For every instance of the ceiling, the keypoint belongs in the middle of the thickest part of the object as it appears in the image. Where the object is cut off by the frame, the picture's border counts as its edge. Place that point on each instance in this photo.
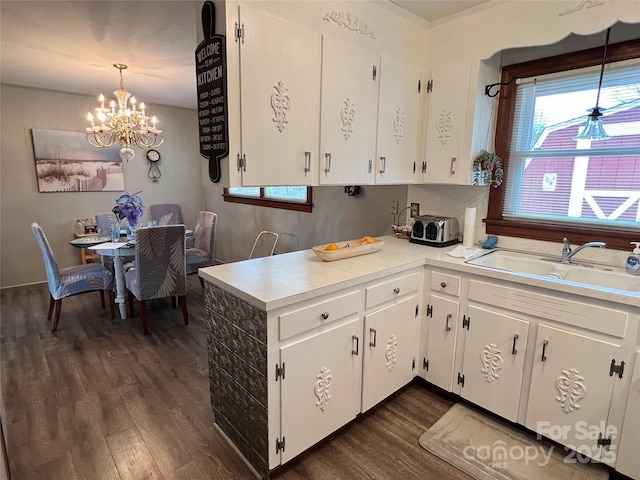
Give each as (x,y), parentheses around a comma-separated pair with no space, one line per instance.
(70,46)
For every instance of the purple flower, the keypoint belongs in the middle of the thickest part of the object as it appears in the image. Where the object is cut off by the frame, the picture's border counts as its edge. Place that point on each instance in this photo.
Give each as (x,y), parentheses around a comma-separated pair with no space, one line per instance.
(129,207)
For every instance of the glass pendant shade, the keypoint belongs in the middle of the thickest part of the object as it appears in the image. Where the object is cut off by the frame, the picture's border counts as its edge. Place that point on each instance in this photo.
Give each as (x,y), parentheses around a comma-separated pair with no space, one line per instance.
(127,153)
(594,129)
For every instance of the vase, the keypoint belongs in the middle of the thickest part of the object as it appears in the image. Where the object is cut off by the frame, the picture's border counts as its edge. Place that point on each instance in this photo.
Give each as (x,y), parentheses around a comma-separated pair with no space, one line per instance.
(131,233)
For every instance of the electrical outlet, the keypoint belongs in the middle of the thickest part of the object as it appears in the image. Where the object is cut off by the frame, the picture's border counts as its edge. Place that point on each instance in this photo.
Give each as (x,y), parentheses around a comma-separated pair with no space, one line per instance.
(394,207)
(415,210)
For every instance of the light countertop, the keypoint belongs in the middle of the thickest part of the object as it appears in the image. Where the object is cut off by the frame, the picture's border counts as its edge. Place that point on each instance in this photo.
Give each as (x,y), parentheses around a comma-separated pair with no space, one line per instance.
(273,282)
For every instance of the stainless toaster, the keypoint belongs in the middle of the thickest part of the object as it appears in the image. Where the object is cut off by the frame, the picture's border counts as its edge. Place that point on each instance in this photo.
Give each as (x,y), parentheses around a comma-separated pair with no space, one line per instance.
(435,231)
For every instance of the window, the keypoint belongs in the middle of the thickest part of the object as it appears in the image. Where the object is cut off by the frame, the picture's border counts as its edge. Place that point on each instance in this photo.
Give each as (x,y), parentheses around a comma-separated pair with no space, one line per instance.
(297,198)
(557,186)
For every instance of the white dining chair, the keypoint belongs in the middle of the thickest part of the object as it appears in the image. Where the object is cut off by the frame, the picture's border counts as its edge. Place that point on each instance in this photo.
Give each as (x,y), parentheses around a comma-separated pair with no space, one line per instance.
(262,242)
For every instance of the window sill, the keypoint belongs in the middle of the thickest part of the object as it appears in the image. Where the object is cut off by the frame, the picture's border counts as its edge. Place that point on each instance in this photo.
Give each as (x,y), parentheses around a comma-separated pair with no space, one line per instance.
(615,239)
(263,202)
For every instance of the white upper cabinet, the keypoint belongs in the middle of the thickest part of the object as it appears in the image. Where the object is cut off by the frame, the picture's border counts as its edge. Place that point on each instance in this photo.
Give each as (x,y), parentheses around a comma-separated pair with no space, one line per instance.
(399,104)
(348,113)
(448,93)
(279,101)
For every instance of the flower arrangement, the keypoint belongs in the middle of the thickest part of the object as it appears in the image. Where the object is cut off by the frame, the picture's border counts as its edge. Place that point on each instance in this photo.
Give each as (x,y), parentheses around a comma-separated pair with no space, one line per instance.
(487,169)
(129,207)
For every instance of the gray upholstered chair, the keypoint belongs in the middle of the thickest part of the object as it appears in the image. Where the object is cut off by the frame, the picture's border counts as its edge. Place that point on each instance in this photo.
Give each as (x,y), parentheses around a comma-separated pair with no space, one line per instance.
(68,281)
(203,253)
(160,269)
(166,213)
(105,221)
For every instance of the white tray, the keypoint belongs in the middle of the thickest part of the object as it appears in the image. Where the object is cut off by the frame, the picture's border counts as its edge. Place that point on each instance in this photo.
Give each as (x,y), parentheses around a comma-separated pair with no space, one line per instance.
(347,249)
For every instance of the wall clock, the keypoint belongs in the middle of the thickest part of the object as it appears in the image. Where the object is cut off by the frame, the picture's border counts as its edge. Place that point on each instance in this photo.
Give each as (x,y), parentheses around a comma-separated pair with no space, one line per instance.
(153,157)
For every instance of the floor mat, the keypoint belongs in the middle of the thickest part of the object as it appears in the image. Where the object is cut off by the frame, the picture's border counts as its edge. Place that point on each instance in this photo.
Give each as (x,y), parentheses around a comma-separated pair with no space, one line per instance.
(489,449)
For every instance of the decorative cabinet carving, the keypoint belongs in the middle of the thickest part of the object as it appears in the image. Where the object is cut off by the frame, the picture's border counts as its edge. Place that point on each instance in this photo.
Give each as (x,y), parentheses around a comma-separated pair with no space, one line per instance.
(571,390)
(348,112)
(399,103)
(493,365)
(280,102)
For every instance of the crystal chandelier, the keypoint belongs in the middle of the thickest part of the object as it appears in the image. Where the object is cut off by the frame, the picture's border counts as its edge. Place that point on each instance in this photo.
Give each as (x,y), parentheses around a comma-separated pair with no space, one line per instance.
(127,124)
(594,129)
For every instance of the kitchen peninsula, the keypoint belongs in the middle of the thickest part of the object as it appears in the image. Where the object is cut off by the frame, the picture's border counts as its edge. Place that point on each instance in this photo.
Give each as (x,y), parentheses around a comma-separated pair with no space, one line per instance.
(299,347)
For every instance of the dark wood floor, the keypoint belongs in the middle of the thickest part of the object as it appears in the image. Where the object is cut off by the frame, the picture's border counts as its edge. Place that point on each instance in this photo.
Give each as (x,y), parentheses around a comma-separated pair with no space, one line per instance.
(98,400)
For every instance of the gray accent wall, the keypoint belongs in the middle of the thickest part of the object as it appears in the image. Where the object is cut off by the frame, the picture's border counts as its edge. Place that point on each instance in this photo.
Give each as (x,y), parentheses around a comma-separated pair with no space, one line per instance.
(23,109)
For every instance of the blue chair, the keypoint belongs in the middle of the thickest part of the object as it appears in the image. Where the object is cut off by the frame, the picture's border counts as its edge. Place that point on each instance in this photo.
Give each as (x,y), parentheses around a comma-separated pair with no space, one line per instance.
(203,253)
(65,282)
(160,269)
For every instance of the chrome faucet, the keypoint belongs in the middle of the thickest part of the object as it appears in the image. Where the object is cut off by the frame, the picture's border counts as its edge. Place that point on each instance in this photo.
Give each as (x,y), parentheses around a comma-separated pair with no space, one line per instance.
(567,253)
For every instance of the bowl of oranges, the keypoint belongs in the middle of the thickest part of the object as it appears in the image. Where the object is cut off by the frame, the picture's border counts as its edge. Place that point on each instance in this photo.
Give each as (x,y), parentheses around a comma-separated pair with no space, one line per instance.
(352,248)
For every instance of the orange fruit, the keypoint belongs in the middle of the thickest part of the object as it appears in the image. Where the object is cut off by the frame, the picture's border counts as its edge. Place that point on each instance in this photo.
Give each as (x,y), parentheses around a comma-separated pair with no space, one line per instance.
(368,239)
(331,246)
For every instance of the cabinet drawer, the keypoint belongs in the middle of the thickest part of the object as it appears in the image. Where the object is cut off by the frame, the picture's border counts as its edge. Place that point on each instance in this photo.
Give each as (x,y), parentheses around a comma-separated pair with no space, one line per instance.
(442,282)
(318,314)
(385,291)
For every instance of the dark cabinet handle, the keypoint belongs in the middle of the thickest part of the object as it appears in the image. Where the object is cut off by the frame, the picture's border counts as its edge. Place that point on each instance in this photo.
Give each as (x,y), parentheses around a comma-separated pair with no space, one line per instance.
(443,285)
(447,328)
(396,290)
(513,348)
(544,349)
(372,343)
(324,315)
(357,349)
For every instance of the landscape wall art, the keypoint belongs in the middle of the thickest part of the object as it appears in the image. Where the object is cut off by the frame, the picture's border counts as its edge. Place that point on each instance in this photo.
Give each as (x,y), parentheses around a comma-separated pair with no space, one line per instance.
(66,162)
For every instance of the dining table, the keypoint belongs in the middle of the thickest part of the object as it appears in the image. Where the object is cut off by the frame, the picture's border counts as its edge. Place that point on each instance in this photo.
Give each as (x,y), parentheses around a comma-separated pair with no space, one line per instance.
(120,251)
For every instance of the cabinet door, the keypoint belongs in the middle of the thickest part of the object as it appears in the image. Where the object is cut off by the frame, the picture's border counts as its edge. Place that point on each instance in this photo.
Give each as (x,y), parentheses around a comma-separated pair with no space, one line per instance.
(390,344)
(628,461)
(320,391)
(446,124)
(280,101)
(493,362)
(348,113)
(570,387)
(441,342)
(398,122)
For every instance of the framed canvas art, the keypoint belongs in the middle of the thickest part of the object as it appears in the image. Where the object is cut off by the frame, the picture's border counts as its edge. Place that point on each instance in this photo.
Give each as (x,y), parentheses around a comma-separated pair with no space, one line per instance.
(66,162)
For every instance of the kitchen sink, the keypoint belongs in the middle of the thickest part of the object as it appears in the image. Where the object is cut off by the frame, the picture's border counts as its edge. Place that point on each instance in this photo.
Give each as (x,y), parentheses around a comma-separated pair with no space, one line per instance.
(592,275)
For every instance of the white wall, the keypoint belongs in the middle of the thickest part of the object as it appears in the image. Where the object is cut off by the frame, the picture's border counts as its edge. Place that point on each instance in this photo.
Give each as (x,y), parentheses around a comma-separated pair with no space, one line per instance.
(21,204)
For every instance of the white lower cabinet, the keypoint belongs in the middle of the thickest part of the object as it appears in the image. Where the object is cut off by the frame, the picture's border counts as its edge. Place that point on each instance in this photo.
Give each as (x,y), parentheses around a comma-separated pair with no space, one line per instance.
(320,391)
(442,331)
(494,352)
(389,349)
(338,356)
(571,387)
(628,459)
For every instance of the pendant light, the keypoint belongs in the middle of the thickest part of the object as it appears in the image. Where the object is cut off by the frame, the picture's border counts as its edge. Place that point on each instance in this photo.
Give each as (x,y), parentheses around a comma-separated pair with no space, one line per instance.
(594,129)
